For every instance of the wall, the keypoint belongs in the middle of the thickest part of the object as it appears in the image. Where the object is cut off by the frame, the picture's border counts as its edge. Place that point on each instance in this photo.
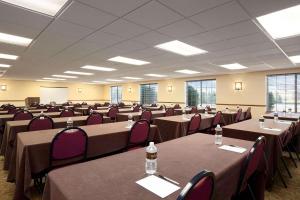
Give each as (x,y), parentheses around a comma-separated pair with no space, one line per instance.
(17,91)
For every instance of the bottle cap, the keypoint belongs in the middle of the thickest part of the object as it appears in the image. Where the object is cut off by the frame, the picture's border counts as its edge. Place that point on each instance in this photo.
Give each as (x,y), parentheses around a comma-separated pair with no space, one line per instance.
(151,144)
(218,126)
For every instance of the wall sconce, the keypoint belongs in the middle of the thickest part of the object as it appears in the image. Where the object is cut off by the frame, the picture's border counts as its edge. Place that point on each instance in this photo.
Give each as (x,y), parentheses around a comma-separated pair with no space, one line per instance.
(79,90)
(170,88)
(238,86)
(3,87)
(129,89)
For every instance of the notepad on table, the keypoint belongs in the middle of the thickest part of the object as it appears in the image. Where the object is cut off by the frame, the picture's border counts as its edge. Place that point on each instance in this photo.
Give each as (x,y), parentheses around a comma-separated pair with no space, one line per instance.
(272,129)
(233,148)
(158,186)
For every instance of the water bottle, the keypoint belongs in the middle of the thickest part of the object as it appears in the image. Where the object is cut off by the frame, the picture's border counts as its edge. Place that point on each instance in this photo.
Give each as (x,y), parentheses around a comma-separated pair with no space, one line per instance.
(129,120)
(42,115)
(289,111)
(91,111)
(69,123)
(151,159)
(261,122)
(218,135)
(275,117)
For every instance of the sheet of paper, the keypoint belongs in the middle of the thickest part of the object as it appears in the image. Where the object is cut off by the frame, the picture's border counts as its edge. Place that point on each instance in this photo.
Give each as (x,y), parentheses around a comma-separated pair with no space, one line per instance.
(233,148)
(272,129)
(158,186)
(285,122)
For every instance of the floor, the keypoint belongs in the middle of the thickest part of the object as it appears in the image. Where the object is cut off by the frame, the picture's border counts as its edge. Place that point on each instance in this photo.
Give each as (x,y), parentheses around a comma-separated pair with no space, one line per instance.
(278,192)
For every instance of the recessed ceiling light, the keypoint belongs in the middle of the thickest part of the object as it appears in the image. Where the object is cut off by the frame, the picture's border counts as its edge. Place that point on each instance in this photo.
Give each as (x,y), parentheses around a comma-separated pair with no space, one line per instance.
(114,80)
(13,39)
(5,65)
(78,73)
(283,23)
(48,7)
(132,78)
(8,56)
(105,69)
(64,76)
(128,60)
(181,48)
(295,59)
(156,75)
(233,66)
(41,80)
(55,79)
(103,82)
(187,71)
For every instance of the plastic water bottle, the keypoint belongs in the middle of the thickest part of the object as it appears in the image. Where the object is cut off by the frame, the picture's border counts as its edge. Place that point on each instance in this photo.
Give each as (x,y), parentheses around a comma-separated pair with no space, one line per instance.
(69,123)
(218,135)
(91,111)
(261,122)
(275,117)
(42,115)
(151,159)
(129,120)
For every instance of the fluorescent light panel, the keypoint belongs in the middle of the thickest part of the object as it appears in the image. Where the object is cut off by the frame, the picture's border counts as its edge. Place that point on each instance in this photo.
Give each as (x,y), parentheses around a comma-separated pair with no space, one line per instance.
(187,71)
(79,73)
(5,65)
(283,23)
(156,75)
(181,48)
(41,80)
(132,78)
(105,69)
(100,82)
(48,7)
(64,76)
(130,61)
(8,56)
(55,79)
(15,40)
(114,80)
(234,66)
(295,59)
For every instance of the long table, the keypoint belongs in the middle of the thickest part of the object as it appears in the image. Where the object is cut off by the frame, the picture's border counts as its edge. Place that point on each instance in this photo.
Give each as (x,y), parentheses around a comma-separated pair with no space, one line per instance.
(114,177)
(32,154)
(250,130)
(173,127)
(283,116)
(136,115)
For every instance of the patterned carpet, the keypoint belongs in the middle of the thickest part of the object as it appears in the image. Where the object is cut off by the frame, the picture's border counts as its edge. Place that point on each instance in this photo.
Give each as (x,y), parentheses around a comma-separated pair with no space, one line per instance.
(278,192)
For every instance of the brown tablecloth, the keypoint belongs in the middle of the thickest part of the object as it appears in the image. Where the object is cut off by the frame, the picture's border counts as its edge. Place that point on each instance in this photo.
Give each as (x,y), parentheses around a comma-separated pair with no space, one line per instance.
(176,126)
(250,130)
(114,177)
(33,149)
(137,115)
(229,116)
(121,110)
(283,116)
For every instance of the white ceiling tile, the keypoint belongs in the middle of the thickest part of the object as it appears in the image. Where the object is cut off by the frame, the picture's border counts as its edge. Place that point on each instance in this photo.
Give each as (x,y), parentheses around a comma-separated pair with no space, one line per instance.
(152,38)
(103,39)
(86,16)
(129,46)
(144,53)
(153,15)
(17,29)
(289,41)
(220,16)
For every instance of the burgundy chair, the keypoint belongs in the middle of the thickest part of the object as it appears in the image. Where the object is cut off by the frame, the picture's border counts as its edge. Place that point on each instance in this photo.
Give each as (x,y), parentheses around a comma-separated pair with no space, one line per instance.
(208,108)
(177,106)
(106,104)
(248,114)
(66,113)
(22,115)
(77,105)
(194,110)
(139,134)
(287,139)
(169,112)
(153,105)
(147,115)
(40,123)
(136,108)
(13,111)
(53,109)
(194,124)
(254,158)
(94,118)
(121,104)
(41,107)
(217,120)
(112,113)
(84,103)
(238,115)
(201,187)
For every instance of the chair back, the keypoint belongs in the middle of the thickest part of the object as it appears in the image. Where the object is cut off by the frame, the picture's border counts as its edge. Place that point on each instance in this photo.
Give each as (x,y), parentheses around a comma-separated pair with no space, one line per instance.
(194,110)
(194,124)
(69,144)
(177,106)
(208,108)
(66,113)
(106,104)
(40,106)
(94,118)
(121,104)
(40,123)
(289,134)
(139,134)
(84,103)
(248,114)
(217,119)
(238,115)
(254,157)
(169,112)
(153,105)
(136,108)
(77,105)
(12,110)
(147,115)
(112,112)
(53,109)
(22,115)
(202,186)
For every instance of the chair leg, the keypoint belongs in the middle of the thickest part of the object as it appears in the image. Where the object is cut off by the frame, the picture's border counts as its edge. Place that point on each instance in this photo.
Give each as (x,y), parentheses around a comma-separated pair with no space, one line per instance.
(291,156)
(281,178)
(286,167)
(296,151)
(251,192)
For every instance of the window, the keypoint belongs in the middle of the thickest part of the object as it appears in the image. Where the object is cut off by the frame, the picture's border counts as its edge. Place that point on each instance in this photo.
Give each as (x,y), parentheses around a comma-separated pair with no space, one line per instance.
(149,93)
(116,94)
(281,92)
(201,92)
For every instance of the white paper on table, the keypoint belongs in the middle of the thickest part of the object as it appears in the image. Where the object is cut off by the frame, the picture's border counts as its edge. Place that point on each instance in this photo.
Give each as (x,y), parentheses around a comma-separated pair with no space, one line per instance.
(233,148)
(272,129)
(285,122)
(158,186)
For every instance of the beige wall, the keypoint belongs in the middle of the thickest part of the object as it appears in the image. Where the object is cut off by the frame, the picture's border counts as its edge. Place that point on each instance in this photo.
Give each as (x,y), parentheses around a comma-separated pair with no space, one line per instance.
(17,91)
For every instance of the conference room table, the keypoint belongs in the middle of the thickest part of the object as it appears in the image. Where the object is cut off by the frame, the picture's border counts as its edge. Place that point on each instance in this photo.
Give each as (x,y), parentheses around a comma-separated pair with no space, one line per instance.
(137,115)
(250,130)
(4,112)
(229,116)
(176,126)
(121,110)
(283,116)
(115,177)
(32,155)
(152,108)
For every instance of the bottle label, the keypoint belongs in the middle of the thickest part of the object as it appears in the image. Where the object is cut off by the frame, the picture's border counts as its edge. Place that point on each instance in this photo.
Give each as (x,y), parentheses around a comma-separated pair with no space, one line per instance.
(151,156)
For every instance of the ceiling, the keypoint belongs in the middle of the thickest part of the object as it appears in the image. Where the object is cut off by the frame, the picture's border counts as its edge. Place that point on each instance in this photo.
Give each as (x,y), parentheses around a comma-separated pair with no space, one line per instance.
(88,32)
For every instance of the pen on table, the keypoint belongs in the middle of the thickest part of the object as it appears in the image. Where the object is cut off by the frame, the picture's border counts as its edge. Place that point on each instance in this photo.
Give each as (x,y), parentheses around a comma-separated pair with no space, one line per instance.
(168,179)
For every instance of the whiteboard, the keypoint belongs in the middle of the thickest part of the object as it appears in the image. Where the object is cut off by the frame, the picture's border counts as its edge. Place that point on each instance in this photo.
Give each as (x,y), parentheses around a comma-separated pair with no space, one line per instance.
(57,94)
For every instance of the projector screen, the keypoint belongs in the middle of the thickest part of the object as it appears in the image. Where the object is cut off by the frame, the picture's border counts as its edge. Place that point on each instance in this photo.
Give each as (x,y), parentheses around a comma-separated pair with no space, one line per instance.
(57,94)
